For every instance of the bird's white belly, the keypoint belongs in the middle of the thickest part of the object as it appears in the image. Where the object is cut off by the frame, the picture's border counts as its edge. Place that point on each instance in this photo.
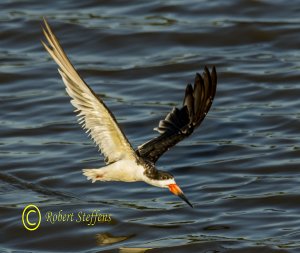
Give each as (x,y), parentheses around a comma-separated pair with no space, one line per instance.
(123,170)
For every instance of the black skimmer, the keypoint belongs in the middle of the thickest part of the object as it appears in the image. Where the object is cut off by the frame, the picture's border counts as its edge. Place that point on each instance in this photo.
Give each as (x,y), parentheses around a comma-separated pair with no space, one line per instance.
(123,163)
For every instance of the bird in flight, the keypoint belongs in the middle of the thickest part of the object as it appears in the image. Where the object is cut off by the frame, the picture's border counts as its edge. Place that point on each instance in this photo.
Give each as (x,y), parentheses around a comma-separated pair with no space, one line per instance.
(123,163)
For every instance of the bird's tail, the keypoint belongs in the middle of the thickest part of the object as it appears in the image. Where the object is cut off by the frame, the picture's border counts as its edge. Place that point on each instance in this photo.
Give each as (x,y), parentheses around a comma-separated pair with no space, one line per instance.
(93,174)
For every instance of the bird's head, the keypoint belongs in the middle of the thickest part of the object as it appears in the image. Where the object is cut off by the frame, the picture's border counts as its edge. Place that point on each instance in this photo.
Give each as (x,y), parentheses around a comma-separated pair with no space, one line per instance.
(166,180)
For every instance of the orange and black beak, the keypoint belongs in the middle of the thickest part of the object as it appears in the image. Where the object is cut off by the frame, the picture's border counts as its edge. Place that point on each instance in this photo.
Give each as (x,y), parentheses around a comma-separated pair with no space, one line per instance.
(174,188)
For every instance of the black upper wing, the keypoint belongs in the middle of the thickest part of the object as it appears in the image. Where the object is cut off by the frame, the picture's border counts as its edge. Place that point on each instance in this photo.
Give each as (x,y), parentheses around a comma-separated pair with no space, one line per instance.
(180,123)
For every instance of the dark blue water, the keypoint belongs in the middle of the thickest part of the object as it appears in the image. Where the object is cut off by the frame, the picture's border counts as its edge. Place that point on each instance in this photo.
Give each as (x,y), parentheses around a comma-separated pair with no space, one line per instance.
(240,168)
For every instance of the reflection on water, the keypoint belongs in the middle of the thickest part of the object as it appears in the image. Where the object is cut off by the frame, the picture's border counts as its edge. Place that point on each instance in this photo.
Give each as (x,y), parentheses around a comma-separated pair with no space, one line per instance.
(134,250)
(240,169)
(107,238)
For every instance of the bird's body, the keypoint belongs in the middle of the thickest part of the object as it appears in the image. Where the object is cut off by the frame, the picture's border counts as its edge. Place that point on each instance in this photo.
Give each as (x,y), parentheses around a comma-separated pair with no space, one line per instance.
(123,163)
(129,171)
(122,170)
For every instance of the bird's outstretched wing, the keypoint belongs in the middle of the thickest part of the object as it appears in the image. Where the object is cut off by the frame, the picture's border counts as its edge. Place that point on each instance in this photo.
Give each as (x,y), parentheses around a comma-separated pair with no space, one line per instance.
(93,115)
(180,123)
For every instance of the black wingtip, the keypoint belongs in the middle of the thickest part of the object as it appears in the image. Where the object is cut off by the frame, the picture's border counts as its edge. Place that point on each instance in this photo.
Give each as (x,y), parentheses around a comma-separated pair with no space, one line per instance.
(198,78)
(188,92)
(180,123)
(206,70)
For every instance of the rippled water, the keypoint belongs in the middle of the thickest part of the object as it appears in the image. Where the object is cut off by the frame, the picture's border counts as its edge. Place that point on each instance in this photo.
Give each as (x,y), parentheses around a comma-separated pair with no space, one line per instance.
(240,169)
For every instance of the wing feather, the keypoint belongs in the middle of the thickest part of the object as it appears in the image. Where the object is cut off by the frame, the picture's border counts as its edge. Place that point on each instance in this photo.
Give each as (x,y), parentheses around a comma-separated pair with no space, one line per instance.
(180,123)
(92,113)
